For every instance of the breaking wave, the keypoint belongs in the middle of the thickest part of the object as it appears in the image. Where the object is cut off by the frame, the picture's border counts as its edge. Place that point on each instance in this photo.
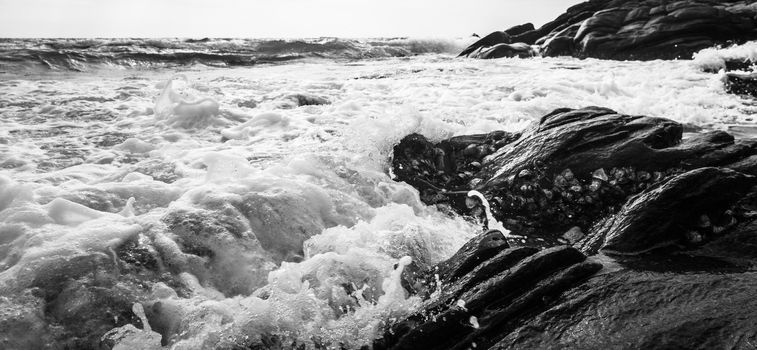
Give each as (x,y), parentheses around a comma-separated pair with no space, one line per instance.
(86,54)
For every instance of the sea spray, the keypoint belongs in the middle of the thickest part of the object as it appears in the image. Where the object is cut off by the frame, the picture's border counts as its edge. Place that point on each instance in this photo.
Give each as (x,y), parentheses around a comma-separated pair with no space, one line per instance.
(262,221)
(492,222)
(182,109)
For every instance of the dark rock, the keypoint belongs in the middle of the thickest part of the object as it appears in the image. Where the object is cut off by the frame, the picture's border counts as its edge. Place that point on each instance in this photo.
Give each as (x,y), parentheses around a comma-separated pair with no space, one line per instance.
(495,324)
(476,251)
(505,50)
(247,104)
(672,219)
(530,270)
(489,308)
(666,214)
(747,165)
(738,64)
(85,296)
(520,29)
(559,46)
(23,324)
(219,244)
(478,254)
(196,41)
(438,170)
(741,83)
(487,41)
(643,29)
(505,259)
(551,299)
(308,100)
(89,311)
(571,168)
(738,246)
(647,310)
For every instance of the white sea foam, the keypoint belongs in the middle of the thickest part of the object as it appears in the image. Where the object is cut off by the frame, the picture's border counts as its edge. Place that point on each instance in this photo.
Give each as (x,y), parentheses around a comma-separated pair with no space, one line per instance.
(275,219)
(714,59)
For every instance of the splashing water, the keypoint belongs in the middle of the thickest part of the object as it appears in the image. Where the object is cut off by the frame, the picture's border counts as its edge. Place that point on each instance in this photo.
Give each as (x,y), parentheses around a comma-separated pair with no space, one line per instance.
(493,223)
(232,215)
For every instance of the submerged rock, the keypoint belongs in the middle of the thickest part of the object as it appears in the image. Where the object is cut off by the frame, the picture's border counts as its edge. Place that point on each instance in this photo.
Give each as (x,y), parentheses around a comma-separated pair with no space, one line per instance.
(642,29)
(307,100)
(77,299)
(741,83)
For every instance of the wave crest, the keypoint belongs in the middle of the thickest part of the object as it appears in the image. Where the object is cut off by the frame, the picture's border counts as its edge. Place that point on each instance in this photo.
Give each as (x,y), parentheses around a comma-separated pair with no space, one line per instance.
(86,54)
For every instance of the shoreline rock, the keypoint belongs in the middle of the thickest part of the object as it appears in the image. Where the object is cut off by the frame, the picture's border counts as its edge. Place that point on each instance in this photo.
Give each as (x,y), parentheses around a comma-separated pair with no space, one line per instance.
(670,243)
(637,30)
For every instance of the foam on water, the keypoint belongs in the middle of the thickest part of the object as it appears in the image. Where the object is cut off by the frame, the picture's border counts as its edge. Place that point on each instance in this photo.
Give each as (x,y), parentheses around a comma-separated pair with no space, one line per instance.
(714,59)
(267,218)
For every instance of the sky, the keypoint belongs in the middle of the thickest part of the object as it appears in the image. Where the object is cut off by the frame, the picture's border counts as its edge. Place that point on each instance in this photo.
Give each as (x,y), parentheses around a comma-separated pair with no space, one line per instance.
(270,18)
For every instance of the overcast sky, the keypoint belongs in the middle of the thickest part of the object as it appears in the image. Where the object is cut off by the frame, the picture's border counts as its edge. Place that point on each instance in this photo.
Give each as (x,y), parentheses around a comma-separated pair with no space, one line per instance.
(270,18)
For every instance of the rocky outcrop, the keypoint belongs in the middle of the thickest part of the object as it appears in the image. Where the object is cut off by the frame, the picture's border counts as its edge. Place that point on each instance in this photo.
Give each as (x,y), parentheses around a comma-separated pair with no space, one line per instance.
(495,38)
(441,172)
(643,29)
(687,209)
(499,44)
(524,298)
(662,231)
(478,309)
(647,310)
(571,169)
(520,29)
(506,50)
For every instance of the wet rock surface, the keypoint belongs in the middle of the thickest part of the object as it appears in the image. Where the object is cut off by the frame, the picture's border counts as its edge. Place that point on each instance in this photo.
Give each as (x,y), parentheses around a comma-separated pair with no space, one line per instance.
(475,311)
(741,83)
(505,50)
(570,169)
(647,310)
(490,40)
(666,219)
(739,78)
(697,206)
(641,29)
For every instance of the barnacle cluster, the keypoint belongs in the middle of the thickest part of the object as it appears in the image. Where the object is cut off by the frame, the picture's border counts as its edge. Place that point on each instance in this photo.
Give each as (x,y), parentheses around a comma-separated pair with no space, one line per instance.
(713,224)
(450,165)
(552,204)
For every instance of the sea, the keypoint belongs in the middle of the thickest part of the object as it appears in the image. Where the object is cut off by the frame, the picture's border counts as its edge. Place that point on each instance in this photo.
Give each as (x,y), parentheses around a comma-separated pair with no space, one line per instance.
(238,192)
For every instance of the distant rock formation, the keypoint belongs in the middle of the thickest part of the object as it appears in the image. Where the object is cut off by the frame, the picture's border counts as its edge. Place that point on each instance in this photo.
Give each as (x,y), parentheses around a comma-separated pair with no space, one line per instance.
(520,29)
(490,40)
(638,29)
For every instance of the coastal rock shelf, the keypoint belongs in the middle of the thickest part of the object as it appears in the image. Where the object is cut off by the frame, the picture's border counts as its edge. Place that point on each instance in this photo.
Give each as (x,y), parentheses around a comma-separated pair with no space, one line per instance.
(570,169)
(637,30)
(665,216)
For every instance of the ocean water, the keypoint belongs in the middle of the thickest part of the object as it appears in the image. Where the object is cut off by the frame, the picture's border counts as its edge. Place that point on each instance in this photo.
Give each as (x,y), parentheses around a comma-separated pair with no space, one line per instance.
(253,175)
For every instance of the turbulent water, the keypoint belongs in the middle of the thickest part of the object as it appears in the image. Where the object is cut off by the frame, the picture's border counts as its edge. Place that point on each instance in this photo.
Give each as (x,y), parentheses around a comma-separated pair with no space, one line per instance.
(253,175)
(86,54)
